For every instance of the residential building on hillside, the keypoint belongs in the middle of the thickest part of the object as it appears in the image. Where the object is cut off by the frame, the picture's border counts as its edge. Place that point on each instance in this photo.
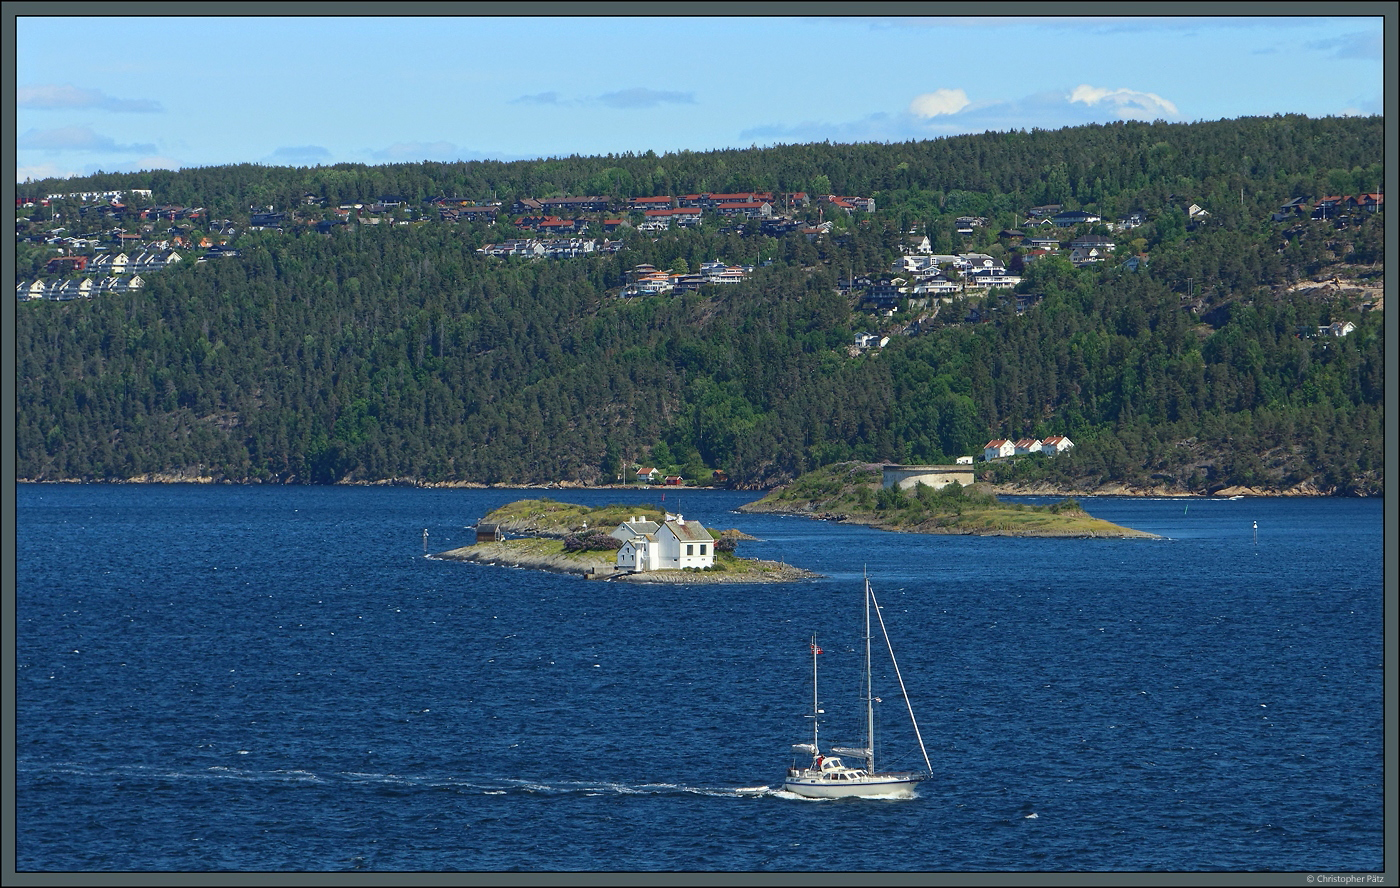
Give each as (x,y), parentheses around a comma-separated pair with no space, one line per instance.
(1071,218)
(998,448)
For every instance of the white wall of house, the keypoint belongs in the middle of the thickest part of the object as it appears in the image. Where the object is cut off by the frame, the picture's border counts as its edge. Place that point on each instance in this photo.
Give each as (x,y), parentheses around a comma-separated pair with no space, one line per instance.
(675,545)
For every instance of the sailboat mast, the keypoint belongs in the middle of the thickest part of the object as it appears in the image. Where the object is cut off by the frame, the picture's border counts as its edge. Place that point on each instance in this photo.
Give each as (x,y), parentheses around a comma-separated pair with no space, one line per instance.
(815,748)
(869,691)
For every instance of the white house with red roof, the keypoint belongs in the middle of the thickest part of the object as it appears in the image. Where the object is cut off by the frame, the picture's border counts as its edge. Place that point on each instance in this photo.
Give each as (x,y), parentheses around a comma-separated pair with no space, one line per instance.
(998,448)
(1056,444)
(1028,445)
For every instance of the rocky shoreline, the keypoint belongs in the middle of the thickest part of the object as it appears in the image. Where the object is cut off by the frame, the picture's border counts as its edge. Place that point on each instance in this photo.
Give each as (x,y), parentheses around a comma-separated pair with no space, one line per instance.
(1038,489)
(505,554)
(1117,489)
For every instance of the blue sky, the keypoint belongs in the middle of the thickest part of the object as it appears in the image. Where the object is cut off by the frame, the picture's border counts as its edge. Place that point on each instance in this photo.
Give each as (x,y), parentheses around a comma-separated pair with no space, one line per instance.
(132,93)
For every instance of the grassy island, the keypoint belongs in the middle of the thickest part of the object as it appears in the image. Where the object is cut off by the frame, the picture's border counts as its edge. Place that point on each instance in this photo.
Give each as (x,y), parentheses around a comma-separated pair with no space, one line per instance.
(853,492)
(568,538)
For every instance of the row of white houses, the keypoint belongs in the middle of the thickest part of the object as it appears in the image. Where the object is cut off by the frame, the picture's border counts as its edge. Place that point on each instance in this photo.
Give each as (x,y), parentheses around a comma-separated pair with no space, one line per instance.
(60,290)
(148,260)
(557,248)
(1000,448)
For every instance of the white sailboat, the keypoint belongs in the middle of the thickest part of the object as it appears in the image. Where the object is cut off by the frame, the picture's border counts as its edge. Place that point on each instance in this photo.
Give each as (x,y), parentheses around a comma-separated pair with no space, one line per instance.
(827,777)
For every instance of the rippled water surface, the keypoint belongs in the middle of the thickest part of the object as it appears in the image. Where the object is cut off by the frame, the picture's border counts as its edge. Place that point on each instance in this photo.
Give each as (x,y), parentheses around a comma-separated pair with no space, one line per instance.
(268,678)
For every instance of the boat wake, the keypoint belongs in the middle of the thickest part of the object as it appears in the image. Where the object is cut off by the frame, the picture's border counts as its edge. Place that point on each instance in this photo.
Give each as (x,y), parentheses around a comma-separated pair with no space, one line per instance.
(392,782)
(564,788)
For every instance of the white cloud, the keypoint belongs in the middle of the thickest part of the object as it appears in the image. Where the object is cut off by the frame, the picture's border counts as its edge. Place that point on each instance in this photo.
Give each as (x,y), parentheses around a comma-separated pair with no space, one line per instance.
(411,151)
(151,162)
(641,97)
(1125,102)
(940,101)
(299,155)
(36,171)
(544,98)
(54,96)
(1359,45)
(77,138)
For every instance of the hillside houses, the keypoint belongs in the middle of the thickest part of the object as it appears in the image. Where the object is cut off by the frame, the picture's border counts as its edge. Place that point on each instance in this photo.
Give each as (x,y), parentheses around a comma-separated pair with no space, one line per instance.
(153,258)
(1044,240)
(63,290)
(648,280)
(551,248)
(459,209)
(552,225)
(586,204)
(101,273)
(713,201)
(1334,206)
(1003,448)
(850,204)
(927,276)
(642,204)
(97,196)
(660,219)
(1071,218)
(1090,249)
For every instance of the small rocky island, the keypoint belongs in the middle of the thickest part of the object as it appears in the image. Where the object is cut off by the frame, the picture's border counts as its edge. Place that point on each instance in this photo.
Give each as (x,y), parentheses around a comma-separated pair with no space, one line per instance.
(618,542)
(854,492)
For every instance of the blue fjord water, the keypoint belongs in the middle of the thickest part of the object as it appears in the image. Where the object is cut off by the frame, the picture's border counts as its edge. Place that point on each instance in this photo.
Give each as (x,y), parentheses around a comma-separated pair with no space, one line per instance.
(272,678)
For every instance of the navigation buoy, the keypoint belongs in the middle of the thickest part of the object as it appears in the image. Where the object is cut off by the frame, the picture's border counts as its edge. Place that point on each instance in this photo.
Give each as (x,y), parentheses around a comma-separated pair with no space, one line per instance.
(425,539)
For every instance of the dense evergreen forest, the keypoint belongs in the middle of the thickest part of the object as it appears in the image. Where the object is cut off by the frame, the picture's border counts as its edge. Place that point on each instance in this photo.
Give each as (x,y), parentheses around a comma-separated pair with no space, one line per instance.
(396,351)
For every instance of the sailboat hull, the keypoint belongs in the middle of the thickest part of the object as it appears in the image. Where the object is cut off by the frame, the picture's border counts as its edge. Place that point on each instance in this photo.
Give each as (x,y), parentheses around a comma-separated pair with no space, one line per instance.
(893,785)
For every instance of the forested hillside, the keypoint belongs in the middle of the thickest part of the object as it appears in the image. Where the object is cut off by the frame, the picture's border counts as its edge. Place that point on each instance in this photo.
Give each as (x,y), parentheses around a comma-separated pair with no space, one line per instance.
(364,352)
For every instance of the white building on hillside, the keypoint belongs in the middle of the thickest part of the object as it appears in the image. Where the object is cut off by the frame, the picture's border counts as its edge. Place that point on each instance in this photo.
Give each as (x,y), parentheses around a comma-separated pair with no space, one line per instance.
(997,448)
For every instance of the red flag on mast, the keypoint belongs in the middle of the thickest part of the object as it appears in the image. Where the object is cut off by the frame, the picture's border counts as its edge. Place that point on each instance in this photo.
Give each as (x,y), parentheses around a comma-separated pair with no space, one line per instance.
(817,650)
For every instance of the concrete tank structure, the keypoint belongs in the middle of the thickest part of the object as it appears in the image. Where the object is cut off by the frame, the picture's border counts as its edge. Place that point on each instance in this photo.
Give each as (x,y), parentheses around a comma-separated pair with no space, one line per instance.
(905,477)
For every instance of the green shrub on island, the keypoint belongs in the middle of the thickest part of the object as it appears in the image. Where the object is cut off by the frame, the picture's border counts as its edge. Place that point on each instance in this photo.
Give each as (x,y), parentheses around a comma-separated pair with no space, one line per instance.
(591,541)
